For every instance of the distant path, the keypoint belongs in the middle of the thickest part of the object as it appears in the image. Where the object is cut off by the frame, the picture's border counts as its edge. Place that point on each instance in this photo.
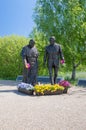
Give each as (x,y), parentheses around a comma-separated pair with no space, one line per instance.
(57,112)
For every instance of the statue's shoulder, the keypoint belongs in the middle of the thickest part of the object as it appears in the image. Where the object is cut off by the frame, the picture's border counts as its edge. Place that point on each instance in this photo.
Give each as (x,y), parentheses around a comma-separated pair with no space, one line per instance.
(48,46)
(34,48)
(24,47)
(57,44)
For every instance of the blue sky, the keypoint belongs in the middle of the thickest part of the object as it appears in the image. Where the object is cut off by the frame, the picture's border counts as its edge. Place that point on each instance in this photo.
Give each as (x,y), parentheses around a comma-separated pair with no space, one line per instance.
(16,17)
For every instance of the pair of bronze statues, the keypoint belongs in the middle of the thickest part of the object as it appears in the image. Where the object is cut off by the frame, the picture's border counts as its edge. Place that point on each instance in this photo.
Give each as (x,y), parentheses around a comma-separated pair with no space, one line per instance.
(53,54)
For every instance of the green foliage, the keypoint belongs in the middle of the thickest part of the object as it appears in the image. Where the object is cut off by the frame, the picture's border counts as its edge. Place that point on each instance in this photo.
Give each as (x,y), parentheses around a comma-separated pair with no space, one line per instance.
(10,59)
(67,21)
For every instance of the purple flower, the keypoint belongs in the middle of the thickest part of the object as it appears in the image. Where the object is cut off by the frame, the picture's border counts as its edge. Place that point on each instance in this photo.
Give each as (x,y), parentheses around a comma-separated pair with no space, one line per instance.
(64,83)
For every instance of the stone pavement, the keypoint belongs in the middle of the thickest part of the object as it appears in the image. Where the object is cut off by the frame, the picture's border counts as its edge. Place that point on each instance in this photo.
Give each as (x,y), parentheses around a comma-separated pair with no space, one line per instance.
(57,112)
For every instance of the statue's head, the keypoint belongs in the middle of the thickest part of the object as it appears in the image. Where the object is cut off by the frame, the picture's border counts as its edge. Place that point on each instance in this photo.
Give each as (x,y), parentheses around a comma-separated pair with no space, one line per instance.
(52,40)
(31,43)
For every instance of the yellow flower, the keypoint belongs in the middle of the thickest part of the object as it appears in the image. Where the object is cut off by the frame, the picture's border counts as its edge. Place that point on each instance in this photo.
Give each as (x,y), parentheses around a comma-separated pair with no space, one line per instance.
(42,88)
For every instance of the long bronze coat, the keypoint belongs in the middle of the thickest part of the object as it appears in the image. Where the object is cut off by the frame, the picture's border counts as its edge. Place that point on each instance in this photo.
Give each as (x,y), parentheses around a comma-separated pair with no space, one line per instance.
(31,55)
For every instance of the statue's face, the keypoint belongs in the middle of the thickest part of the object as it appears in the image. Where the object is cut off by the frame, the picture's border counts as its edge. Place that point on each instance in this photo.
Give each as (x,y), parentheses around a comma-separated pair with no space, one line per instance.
(31,43)
(52,40)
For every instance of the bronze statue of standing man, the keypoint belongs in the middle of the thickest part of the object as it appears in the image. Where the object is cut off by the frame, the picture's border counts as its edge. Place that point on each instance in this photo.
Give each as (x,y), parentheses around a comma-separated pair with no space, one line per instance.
(53,54)
(29,55)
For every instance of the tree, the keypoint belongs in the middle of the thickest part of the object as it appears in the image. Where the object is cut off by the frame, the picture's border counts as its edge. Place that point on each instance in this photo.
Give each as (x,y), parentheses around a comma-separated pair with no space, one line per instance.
(67,21)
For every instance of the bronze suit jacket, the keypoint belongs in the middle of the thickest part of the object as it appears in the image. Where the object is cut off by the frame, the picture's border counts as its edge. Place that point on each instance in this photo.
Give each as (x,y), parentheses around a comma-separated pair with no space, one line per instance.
(53,53)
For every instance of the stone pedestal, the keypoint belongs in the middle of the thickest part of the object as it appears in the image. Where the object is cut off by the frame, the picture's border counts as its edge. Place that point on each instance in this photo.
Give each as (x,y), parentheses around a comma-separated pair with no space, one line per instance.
(82,82)
(41,79)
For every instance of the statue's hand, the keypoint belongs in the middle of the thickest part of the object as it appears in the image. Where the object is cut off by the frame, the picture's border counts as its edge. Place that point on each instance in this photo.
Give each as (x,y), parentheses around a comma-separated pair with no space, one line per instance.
(27,65)
(62,61)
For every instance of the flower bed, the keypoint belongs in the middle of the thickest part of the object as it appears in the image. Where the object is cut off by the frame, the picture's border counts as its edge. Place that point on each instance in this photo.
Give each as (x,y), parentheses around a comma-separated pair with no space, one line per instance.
(48,89)
(44,89)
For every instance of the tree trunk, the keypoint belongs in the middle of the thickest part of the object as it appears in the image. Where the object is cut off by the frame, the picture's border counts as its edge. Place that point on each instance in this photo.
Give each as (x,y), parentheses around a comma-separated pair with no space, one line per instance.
(73,77)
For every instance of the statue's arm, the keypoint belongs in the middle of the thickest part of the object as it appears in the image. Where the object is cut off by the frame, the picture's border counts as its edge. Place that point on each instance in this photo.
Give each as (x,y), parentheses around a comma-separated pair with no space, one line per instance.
(23,55)
(61,53)
(45,55)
